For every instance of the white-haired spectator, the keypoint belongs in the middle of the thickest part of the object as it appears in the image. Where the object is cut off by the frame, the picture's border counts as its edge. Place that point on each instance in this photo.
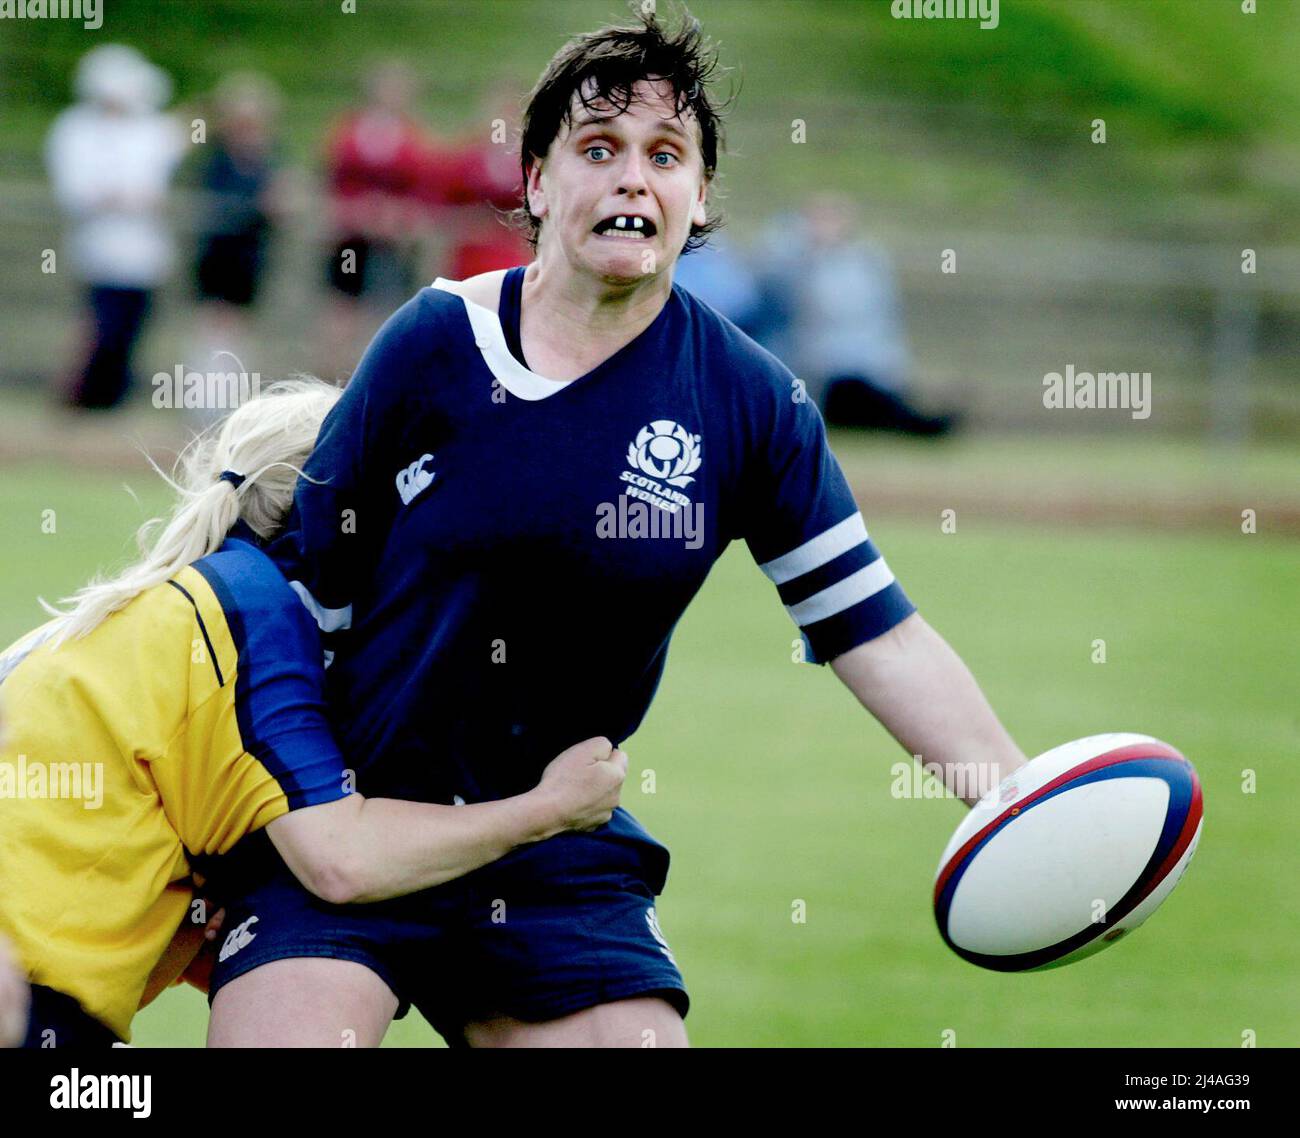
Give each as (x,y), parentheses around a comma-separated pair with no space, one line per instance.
(110,158)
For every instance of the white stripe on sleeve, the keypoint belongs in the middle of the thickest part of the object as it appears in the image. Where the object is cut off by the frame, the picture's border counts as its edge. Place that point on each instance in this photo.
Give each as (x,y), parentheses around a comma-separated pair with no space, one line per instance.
(817,551)
(856,587)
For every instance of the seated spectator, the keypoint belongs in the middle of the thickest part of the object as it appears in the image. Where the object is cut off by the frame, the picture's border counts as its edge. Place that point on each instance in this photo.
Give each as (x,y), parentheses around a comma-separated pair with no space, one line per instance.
(723,280)
(831,312)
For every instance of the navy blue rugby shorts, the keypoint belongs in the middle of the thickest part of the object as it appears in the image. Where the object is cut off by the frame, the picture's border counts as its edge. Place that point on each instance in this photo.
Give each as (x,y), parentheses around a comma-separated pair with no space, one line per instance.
(548,930)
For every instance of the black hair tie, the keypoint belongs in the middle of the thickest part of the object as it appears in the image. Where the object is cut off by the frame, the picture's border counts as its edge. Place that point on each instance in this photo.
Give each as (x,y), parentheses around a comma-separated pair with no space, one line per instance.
(235,480)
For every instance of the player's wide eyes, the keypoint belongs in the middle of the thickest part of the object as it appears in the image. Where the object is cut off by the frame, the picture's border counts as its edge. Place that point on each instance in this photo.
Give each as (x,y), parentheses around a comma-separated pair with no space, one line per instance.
(596,157)
(672,159)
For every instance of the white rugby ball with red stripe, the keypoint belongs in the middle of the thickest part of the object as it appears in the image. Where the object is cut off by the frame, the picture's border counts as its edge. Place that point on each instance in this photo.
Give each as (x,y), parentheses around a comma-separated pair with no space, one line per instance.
(1070,853)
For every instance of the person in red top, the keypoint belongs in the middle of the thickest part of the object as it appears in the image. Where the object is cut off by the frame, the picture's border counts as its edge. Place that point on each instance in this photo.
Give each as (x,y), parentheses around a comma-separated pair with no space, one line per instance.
(377,161)
(485,185)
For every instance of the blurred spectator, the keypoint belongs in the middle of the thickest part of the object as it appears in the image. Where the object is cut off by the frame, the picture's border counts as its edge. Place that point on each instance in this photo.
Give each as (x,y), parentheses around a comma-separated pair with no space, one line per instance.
(486,182)
(723,280)
(831,312)
(378,179)
(239,206)
(110,158)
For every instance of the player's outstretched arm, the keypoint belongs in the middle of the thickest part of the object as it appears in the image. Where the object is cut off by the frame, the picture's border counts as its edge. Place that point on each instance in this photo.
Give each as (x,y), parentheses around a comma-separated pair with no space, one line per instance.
(917,686)
(369,849)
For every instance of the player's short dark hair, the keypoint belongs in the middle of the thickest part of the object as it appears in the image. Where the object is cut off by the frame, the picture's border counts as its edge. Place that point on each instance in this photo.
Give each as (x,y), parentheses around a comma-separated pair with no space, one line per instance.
(616,58)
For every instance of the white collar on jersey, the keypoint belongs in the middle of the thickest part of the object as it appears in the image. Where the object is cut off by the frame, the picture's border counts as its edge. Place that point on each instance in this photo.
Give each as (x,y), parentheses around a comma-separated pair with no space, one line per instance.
(490,339)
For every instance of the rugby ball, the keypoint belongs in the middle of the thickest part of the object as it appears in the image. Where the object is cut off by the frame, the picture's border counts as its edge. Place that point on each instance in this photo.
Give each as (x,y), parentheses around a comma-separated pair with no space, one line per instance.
(1068,854)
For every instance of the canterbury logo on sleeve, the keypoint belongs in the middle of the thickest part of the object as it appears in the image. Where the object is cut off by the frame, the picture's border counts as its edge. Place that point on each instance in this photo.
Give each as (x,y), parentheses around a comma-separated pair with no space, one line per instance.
(414,478)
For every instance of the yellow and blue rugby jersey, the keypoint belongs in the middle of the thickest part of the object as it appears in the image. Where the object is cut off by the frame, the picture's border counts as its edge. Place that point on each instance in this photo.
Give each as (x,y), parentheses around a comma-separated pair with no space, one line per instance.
(192,717)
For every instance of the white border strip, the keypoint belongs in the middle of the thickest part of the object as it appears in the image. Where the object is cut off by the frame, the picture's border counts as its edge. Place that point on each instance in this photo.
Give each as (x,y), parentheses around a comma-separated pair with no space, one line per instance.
(518,380)
(327,620)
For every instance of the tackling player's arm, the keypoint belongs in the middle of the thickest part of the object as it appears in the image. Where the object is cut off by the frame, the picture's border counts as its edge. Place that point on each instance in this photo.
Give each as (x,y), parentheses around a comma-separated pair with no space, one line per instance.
(911,680)
(369,849)
(258,752)
(357,849)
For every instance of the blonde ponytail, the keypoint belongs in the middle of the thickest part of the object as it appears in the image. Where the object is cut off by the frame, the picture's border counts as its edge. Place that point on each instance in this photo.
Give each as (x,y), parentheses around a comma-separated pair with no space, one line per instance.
(267,440)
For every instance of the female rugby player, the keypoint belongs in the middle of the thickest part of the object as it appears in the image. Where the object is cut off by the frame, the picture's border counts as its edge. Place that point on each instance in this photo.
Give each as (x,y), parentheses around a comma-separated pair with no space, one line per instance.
(505,445)
(179,708)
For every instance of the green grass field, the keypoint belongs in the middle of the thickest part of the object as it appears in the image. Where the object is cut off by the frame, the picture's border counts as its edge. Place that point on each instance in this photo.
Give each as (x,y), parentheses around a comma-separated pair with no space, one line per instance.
(773,785)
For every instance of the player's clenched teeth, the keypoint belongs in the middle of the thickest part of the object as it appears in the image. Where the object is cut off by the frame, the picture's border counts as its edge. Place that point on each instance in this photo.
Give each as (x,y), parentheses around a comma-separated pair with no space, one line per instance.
(626,225)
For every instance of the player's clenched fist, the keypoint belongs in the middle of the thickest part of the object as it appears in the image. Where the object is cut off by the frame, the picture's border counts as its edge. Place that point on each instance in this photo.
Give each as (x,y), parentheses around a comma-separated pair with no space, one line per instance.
(584,783)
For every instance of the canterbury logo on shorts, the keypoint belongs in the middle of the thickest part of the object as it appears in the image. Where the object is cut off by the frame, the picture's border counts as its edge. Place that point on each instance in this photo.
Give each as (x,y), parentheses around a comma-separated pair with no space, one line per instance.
(652,922)
(238,938)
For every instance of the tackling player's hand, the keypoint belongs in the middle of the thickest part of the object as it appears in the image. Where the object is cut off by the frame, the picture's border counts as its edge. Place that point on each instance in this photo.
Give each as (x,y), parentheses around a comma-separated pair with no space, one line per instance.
(192,950)
(584,783)
(199,972)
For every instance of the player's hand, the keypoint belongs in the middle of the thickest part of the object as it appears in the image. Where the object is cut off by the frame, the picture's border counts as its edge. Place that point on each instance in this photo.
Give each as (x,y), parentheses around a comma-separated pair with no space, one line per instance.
(192,950)
(584,783)
(199,972)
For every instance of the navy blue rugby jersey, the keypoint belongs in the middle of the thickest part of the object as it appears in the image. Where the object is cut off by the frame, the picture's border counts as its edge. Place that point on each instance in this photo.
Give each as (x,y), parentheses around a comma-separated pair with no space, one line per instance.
(497,561)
